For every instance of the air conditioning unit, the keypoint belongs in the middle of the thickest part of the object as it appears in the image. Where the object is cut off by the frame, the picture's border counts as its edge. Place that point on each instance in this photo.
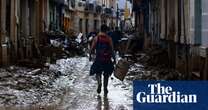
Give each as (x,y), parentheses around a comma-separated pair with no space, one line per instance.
(203,51)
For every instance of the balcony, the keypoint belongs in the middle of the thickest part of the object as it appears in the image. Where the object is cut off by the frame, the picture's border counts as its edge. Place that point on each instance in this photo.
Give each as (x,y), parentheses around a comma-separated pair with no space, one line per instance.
(89,7)
(80,6)
(98,9)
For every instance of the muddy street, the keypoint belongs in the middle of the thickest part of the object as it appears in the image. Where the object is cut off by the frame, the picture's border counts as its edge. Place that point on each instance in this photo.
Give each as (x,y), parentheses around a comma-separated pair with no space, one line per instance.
(66,85)
(70,88)
(48,48)
(82,93)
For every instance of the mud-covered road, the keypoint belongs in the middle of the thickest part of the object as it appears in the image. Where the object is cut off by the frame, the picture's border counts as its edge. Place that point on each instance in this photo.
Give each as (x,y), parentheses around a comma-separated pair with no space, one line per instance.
(76,91)
(82,93)
(67,85)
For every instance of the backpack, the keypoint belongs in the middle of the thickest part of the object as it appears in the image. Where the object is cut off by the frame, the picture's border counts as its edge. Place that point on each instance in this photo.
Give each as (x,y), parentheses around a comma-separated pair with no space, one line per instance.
(103,49)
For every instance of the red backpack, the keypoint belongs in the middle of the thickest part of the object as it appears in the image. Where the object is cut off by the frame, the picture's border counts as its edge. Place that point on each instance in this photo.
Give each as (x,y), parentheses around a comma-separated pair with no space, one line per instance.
(103,49)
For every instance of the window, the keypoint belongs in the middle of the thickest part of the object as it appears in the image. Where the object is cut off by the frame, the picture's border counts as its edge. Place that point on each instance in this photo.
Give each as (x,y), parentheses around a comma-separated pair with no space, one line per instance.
(73,3)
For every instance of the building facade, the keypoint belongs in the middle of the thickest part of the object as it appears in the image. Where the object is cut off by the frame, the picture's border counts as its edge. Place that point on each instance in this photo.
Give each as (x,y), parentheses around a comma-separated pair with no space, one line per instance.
(20,27)
(90,14)
(22,22)
(179,27)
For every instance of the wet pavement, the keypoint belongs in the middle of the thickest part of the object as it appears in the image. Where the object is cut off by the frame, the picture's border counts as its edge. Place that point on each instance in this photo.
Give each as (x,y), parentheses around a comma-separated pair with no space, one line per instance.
(82,93)
(66,86)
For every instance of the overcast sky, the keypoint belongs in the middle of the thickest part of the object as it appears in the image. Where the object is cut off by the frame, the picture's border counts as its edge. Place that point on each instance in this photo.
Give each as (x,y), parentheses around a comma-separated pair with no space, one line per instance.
(122,4)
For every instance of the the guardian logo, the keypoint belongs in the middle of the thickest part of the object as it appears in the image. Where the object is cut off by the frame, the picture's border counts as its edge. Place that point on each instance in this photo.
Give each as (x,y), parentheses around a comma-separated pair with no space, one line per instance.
(164,94)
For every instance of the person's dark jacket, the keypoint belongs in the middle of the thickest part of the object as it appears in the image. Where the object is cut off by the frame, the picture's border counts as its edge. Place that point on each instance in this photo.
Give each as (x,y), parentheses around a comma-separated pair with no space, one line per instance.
(116,36)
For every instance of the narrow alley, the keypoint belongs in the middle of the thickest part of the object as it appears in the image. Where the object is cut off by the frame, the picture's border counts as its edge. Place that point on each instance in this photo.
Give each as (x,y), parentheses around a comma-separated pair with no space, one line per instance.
(53,52)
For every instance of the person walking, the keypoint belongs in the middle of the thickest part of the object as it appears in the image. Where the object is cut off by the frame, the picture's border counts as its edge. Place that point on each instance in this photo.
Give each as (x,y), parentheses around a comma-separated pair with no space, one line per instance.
(102,46)
(90,38)
(116,36)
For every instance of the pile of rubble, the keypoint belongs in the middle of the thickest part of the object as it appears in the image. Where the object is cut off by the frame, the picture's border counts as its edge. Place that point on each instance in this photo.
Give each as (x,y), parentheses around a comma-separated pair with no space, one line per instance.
(151,65)
(139,72)
(20,86)
(57,45)
(154,57)
(35,86)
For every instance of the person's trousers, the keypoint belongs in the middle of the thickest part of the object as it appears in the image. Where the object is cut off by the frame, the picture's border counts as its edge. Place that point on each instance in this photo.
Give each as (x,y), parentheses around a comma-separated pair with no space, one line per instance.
(105,80)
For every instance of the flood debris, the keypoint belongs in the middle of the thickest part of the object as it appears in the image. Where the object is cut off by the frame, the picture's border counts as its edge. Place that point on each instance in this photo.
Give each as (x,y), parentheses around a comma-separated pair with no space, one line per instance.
(139,72)
(21,85)
(121,69)
(59,45)
(55,45)
(151,65)
(41,86)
